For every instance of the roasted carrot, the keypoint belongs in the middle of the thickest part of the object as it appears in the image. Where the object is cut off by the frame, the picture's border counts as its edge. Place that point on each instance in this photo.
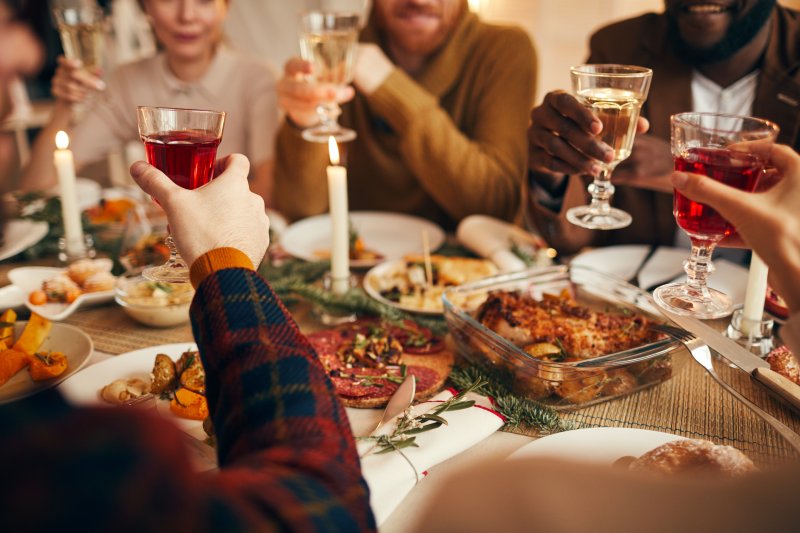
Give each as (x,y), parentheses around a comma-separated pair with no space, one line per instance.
(33,335)
(188,404)
(47,365)
(11,362)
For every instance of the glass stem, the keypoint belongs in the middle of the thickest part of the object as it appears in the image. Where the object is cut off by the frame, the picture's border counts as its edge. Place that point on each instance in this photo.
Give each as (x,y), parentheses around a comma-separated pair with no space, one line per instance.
(699,266)
(601,191)
(175,260)
(329,115)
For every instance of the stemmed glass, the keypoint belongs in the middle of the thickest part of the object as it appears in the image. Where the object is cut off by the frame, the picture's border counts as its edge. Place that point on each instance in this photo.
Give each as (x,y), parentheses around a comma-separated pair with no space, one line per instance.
(329,42)
(181,143)
(730,149)
(615,93)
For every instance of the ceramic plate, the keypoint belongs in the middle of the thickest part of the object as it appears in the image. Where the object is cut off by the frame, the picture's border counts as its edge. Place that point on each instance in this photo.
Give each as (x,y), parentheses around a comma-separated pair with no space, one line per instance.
(373,281)
(30,279)
(72,342)
(11,297)
(392,235)
(19,235)
(595,445)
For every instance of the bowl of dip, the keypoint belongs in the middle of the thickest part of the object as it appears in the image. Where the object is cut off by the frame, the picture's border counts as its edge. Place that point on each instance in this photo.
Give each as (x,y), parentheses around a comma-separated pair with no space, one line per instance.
(154,303)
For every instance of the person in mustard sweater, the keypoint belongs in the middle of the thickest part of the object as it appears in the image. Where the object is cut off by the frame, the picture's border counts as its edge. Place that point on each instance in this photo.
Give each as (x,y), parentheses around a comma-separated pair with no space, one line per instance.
(439,105)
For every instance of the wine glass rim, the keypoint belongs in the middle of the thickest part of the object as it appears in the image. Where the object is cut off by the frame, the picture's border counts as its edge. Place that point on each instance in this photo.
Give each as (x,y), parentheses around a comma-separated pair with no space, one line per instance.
(161,108)
(622,71)
(683,118)
(332,12)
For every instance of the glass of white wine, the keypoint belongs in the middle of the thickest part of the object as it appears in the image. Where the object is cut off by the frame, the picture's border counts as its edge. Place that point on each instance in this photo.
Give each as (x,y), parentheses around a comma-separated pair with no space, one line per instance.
(615,94)
(329,42)
(83,33)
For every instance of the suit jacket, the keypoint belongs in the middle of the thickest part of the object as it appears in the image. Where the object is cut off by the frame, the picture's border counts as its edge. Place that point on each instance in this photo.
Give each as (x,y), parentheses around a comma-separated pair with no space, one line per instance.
(644,41)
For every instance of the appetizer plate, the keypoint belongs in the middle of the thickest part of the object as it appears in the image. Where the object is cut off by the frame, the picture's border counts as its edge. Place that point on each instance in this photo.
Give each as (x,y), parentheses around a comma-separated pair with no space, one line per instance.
(392,235)
(72,342)
(12,297)
(379,275)
(19,235)
(595,445)
(30,279)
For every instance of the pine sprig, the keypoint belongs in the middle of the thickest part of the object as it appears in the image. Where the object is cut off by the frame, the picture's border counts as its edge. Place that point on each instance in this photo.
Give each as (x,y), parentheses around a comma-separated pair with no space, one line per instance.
(519,412)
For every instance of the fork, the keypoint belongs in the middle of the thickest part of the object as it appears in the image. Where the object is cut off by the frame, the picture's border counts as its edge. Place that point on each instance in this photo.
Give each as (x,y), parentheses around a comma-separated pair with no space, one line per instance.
(701,353)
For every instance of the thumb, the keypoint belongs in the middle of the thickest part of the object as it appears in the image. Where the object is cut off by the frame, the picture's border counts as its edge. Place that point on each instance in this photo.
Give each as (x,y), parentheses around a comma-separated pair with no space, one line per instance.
(296,67)
(728,201)
(153,181)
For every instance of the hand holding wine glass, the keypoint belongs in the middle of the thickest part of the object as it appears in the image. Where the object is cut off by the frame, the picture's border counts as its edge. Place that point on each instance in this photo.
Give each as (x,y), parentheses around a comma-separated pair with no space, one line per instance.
(83,34)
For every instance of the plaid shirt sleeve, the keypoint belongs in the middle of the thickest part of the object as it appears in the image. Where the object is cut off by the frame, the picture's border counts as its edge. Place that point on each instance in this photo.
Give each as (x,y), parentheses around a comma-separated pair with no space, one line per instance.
(287,456)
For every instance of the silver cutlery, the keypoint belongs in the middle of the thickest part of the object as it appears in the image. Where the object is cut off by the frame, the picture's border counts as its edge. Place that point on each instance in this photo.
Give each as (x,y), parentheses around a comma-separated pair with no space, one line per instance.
(634,278)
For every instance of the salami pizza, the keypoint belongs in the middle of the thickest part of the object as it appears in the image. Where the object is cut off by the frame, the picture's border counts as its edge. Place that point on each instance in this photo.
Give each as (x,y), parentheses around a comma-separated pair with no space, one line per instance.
(368,359)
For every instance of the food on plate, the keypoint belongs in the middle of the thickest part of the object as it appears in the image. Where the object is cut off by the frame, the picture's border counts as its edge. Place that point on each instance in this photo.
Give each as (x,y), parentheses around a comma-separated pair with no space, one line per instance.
(82,276)
(149,250)
(407,285)
(694,456)
(775,304)
(368,359)
(123,390)
(358,250)
(7,327)
(24,352)
(154,303)
(557,332)
(782,361)
(110,211)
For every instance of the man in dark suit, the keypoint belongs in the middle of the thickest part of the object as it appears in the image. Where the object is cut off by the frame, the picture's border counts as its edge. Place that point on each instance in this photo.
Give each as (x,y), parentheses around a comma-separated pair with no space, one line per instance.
(740,57)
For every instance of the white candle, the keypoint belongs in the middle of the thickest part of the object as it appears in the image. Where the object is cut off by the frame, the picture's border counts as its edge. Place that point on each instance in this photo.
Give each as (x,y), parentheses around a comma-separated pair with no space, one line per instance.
(65,167)
(340,234)
(754,297)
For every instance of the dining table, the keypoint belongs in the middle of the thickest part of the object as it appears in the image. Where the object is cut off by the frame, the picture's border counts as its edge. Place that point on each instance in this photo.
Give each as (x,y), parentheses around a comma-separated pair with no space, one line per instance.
(689,405)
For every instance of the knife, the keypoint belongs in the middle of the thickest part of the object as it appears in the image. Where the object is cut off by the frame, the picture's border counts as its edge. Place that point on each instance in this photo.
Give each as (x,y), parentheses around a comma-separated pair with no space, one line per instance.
(758,368)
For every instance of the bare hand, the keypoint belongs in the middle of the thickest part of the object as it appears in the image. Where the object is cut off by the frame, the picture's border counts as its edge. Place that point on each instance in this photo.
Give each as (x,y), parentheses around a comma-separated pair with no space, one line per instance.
(223,213)
(649,165)
(372,68)
(767,221)
(72,84)
(299,96)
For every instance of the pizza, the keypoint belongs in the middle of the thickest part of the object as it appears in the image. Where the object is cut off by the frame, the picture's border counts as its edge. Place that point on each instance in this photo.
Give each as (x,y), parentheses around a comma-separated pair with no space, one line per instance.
(368,359)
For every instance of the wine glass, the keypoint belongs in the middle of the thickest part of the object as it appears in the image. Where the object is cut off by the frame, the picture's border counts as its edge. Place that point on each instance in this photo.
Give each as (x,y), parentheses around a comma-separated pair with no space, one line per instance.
(181,143)
(615,93)
(329,42)
(83,33)
(730,149)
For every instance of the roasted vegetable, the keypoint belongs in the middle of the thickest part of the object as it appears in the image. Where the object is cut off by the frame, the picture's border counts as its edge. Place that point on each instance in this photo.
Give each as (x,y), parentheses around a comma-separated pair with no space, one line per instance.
(7,327)
(165,375)
(188,404)
(34,334)
(47,365)
(11,362)
(192,374)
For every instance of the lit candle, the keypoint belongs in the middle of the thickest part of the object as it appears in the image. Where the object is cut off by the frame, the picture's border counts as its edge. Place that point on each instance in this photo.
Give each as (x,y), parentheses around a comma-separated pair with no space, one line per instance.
(340,234)
(65,167)
(754,297)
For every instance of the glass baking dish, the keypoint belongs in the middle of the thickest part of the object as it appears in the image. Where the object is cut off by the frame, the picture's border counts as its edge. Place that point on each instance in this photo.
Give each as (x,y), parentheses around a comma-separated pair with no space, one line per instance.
(563,385)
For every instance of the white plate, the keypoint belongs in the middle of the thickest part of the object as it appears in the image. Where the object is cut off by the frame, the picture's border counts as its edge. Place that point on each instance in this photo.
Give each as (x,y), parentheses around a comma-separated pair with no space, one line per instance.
(392,235)
(277,222)
(386,270)
(664,266)
(19,235)
(11,297)
(69,340)
(84,387)
(595,445)
(30,279)
(87,191)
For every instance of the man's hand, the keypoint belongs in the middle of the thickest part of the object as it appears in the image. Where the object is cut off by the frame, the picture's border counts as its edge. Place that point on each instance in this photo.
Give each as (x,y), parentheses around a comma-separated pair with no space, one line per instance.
(299,95)
(223,213)
(72,84)
(372,68)
(649,165)
(767,221)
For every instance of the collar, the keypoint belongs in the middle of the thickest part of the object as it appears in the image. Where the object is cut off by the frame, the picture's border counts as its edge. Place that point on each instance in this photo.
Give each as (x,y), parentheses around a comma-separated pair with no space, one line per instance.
(211,85)
(445,65)
(748,82)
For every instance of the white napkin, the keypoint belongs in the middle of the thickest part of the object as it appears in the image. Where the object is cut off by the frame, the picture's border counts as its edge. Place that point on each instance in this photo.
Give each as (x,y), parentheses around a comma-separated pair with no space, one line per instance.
(390,477)
(492,239)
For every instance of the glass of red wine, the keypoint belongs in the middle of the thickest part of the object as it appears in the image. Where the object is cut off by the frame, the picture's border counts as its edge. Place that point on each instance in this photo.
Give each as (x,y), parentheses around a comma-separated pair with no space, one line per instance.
(730,149)
(181,143)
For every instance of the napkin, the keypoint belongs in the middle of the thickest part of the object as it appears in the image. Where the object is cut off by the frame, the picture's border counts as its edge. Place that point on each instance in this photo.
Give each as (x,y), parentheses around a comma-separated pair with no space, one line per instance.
(390,476)
(492,239)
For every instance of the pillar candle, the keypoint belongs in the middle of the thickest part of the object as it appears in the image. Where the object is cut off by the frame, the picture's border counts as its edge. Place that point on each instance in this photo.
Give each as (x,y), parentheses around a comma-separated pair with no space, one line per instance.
(340,232)
(754,297)
(71,215)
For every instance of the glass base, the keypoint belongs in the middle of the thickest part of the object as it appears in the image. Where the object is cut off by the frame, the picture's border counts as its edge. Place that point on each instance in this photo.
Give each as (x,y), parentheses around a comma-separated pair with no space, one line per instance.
(682,299)
(169,272)
(587,216)
(321,134)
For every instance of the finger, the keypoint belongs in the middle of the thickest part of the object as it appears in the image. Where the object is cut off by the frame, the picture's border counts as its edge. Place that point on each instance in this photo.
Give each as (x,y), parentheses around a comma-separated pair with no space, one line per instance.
(787,161)
(302,90)
(297,67)
(546,161)
(70,63)
(153,182)
(294,105)
(549,118)
(344,94)
(727,200)
(642,125)
(560,149)
(733,241)
(236,165)
(570,107)
(88,80)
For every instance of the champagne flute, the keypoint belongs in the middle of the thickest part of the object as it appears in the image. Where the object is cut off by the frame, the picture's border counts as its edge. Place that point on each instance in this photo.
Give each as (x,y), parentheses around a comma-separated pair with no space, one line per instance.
(181,143)
(615,93)
(83,33)
(329,42)
(730,149)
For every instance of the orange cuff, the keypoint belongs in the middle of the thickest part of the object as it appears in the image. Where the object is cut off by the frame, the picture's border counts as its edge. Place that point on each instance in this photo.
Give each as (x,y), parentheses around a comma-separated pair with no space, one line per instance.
(217,259)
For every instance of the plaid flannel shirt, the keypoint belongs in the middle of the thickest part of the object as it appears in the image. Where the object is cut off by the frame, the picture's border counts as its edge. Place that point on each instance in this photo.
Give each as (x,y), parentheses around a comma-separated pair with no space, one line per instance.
(286,452)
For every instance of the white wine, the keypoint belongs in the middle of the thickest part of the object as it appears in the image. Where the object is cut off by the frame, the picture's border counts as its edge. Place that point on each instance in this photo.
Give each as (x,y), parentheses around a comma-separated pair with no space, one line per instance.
(618,110)
(83,41)
(332,53)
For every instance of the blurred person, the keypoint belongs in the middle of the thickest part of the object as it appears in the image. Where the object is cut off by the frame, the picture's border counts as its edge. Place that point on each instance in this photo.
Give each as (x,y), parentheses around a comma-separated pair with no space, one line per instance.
(728,56)
(286,453)
(194,69)
(437,109)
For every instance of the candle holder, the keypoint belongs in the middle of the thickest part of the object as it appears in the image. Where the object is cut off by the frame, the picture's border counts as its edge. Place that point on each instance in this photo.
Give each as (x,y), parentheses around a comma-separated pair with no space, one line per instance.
(759,340)
(330,317)
(72,251)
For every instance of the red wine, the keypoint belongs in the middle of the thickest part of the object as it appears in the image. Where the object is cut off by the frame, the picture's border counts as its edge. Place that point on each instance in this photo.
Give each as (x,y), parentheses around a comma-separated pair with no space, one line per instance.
(735,169)
(187,157)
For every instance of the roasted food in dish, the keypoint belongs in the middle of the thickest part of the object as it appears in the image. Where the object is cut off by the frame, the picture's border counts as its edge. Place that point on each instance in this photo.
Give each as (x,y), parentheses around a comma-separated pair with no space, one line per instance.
(694,456)
(782,361)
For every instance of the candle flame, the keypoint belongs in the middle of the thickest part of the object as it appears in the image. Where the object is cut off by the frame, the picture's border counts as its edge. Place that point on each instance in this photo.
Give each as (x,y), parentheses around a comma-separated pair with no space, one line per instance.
(62,140)
(333,151)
